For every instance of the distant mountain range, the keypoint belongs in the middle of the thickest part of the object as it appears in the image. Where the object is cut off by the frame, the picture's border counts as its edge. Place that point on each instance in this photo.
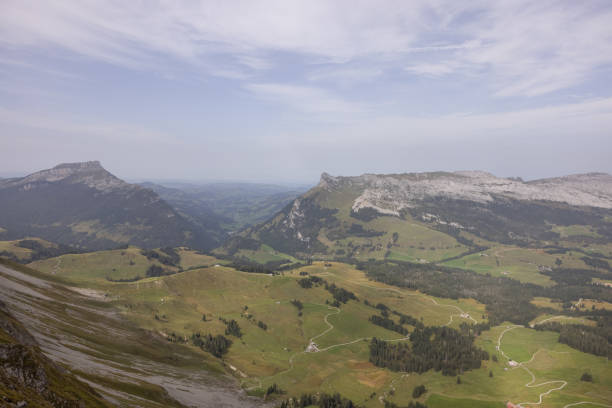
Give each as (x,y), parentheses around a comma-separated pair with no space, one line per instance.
(350,216)
(232,206)
(83,205)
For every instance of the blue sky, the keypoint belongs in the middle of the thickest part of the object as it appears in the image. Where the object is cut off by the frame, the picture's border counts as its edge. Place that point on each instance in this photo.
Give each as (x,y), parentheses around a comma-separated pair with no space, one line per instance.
(282,91)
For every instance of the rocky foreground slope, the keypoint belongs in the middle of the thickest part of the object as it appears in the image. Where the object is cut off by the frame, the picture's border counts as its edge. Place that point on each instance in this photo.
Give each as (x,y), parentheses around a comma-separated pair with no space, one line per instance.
(29,378)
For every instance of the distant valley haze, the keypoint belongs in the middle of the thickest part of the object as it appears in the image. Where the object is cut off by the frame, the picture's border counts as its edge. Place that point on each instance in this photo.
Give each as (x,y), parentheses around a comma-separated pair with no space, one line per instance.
(262,93)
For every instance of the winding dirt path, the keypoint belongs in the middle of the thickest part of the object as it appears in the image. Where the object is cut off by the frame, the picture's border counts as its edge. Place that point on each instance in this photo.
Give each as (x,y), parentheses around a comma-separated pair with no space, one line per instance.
(56,268)
(331,326)
(530,384)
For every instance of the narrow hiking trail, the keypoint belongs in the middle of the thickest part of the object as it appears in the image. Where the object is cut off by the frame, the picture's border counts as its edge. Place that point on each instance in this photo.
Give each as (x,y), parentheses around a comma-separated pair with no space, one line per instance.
(56,268)
(523,365)
(530,384)
(331,326)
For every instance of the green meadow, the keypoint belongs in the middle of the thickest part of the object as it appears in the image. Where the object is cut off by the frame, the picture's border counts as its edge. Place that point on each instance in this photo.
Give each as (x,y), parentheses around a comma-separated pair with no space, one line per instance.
(517,263)
(174,307)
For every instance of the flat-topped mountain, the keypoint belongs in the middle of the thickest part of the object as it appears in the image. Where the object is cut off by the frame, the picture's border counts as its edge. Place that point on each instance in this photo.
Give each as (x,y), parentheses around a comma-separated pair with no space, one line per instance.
(358,216)
(91,174)
(83,205)
(389,194)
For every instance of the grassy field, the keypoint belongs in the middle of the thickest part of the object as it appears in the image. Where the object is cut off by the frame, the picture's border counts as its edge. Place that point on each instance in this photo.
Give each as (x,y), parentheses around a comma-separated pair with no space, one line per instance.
(561,319)
(22,254)
(11,247)
(517,263)
(276,355)
(575,230)
(174,306)
(587,247)
(93,268)
(415,242)
(265,254)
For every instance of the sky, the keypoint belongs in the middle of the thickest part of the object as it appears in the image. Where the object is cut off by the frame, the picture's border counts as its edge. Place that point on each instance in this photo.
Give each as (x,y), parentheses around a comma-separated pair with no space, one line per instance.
(281,91)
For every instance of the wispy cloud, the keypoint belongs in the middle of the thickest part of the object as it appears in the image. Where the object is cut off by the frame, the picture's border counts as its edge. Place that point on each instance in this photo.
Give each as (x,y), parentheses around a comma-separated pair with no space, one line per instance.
(66,128)
(346,76)
(430,69)
(519,48)
(305,99)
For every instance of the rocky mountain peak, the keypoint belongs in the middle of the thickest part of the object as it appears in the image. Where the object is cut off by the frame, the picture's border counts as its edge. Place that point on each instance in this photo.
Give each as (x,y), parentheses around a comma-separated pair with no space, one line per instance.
(327,180)
(90,173)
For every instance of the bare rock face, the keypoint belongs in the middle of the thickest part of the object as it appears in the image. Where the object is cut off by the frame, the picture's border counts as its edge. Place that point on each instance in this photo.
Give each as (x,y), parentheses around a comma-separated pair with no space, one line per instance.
(389,194)
(294,221)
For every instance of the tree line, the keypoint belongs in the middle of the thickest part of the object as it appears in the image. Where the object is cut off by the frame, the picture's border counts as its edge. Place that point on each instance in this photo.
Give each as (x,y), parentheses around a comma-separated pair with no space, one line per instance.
(320,400)
(587,339)
(438,348)
(339,294)
(505,299)
(388,324)
(166,256)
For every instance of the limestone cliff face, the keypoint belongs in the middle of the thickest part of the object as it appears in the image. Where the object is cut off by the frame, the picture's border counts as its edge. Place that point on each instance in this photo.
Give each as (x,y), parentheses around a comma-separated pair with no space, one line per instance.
(389,194)
(505,210)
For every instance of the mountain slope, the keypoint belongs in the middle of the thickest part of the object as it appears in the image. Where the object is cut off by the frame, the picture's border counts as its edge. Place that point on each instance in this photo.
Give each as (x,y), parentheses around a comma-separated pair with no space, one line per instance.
(233,206)
(433,216)
(83,205)
(197,212)
(28,377)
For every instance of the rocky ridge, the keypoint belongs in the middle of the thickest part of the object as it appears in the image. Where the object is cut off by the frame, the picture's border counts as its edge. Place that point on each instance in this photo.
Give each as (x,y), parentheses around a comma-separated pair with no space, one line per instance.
(389,194)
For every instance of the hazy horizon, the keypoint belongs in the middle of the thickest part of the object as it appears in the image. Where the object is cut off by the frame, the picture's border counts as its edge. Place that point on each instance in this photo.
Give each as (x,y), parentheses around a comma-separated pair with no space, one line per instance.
(287,183)
(279,92)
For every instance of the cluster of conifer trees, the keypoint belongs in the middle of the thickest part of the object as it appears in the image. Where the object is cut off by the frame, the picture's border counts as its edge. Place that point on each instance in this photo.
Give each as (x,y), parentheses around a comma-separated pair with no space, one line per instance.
(388,324)
(439,348)
(216,345)
(506,299)
(318,400)
(589,339)
(156,271)
(340,295)
(167,256)
(232,328)
(310,281)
